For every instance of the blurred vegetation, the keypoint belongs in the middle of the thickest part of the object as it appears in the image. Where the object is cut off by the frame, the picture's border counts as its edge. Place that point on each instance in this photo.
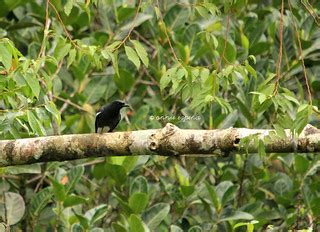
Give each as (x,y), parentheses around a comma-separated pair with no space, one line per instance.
(197,64)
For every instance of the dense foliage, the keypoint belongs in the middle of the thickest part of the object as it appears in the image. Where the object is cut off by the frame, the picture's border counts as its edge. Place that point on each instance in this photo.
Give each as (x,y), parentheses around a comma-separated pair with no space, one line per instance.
(197,64)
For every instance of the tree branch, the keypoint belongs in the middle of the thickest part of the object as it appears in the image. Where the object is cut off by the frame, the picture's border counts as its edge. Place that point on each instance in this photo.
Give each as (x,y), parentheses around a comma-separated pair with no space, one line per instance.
(168,141)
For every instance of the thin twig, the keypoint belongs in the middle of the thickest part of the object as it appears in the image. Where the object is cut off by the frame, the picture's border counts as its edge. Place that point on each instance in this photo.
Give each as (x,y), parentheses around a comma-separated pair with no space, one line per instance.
(90,181)
(147,83)
(132,27)
(10,177)
(154,81)
(225,43)
(311,12)
(301,55)
(57,70)
(45,32)
(34,179)
(242,175)
(144,40)
(22,109)
(168,38)
(43,176)
(151,173)
(55,126)
(278,68)
(5,207)
(70,103)
(65,104)
(133,88)
(63,26)
(95,161)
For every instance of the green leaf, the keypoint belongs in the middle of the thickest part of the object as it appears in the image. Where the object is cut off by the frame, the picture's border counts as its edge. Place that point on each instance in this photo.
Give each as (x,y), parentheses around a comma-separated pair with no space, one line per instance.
(138,202)
(123,204)
(5,55)
(114,59)
(113,46)
(222,188)
(202,11)
(229,194)
(250,69)
(71,57)
(302,119)
(182,174)
(58,189)
(19,79)
(106,53)
(230,120)
(213,196)
(33,83)
(301,164)
(155,215)
(39,201)
(139,184)
(244,42)
(249,225)
(74,176)
(227,49)
(130,162)
(51,107)
(35,124)
(238,215)
(244,108)
(158,12)
(84,222)
(23,169)
(74,200)
(61,50)
(283,185)
(175,228)
(212,8)
(98,88)
(15,207)
(142,53)
(68,6)
(226,107)
(261,149)
(119,228)
(141,18)
(280,131)
(195,228)
(314,169)
(125,80)
(97,213)
(167,77)
(187,190)
(315,207)
(290,96)
(135,223)
(132,56)
(116,172)
(99,171)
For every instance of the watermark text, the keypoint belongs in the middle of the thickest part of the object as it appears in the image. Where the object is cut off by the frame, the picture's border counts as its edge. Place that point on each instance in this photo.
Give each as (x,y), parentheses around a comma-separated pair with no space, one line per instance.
(182,118)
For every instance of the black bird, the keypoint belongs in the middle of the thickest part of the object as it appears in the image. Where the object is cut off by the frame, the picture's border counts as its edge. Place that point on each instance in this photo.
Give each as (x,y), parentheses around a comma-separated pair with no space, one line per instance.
(109,116)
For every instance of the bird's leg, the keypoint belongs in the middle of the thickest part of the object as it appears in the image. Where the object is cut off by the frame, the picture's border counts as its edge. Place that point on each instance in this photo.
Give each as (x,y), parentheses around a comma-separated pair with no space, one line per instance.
(101,132)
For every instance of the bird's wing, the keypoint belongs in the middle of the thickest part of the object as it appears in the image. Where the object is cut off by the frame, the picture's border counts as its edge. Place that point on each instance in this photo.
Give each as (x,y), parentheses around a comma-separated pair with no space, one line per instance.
(96,122)
(115,124)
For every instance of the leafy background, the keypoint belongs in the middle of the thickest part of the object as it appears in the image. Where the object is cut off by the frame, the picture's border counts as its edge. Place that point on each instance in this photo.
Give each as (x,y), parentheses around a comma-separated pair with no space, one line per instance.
(219,61)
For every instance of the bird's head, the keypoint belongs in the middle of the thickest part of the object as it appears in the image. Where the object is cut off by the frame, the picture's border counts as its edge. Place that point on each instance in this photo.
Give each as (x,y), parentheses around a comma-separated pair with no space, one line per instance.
(119,104)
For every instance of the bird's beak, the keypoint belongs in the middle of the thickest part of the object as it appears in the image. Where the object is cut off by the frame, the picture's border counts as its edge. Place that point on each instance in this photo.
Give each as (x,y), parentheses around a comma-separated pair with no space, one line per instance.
(127,105)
